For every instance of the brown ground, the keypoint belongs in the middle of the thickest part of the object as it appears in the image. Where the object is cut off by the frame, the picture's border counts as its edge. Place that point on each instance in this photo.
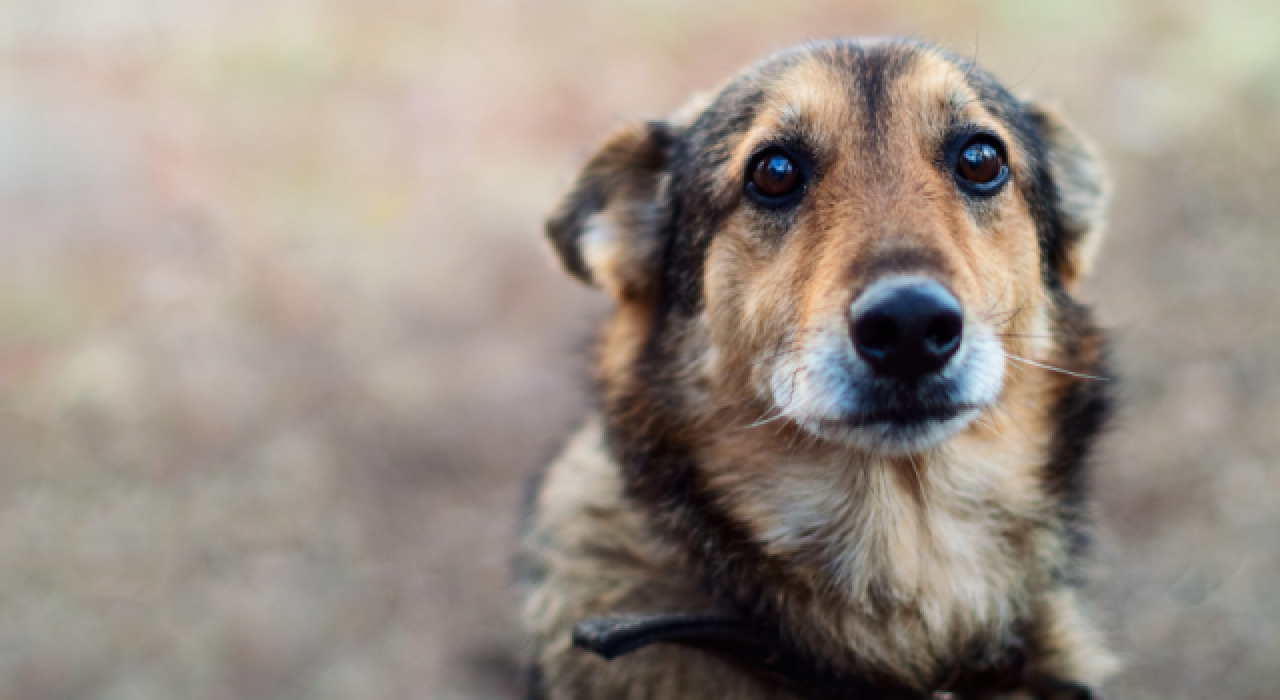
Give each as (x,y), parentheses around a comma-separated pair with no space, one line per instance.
(278,341)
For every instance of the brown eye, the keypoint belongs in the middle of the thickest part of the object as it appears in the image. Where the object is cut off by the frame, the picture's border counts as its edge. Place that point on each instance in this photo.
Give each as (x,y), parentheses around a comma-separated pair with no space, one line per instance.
(774,176)
(981,165)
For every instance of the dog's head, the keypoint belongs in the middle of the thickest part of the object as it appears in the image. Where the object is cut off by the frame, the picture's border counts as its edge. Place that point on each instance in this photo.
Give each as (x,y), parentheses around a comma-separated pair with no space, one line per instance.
(855,237)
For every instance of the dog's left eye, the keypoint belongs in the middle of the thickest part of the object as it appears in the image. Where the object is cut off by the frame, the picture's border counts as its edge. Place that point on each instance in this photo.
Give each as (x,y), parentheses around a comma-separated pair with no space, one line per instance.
(773,177)
(980,165)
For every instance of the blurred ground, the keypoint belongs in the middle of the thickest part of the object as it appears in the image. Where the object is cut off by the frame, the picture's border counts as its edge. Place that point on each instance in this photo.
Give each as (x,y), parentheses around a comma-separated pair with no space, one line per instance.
(278,341)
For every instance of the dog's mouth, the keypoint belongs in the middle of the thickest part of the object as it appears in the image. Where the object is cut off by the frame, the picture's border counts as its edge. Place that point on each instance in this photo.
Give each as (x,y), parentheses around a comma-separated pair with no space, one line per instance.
(907,416)
(899,428)
(887,402)
(890,417)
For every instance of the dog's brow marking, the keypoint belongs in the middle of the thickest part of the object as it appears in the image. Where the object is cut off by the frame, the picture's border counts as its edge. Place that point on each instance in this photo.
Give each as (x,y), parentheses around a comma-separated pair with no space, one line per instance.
(875,70)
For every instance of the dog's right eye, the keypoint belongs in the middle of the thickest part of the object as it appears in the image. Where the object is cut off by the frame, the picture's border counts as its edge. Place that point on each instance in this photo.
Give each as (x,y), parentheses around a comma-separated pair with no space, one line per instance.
(773,177)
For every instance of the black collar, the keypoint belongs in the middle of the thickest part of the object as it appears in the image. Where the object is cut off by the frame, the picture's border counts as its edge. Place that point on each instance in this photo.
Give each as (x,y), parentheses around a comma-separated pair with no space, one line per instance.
(768,657)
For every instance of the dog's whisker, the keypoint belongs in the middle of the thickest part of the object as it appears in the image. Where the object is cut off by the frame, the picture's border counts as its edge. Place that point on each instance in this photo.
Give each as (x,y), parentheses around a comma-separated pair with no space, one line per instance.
(1051,368)
(765,421)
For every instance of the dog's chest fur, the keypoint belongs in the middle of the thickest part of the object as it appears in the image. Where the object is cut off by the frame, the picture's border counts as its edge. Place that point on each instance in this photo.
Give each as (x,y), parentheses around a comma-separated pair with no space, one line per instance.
(912,560)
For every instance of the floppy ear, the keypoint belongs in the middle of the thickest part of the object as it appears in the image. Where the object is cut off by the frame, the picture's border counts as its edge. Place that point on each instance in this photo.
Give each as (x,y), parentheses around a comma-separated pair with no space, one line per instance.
(1083,190)
(607,229)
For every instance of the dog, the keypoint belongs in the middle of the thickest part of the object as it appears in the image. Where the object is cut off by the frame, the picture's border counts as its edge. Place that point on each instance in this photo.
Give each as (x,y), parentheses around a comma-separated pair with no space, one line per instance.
(846,403)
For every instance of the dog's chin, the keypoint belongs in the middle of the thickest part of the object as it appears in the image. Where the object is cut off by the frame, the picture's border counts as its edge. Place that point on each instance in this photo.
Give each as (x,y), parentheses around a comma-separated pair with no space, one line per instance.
(895,433)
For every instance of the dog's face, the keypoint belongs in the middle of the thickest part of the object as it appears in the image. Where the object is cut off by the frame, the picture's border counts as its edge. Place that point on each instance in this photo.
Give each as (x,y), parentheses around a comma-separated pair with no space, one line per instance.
(857,238)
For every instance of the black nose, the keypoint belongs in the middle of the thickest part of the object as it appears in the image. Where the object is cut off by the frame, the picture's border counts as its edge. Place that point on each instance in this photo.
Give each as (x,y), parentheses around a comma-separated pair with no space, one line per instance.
(907,330)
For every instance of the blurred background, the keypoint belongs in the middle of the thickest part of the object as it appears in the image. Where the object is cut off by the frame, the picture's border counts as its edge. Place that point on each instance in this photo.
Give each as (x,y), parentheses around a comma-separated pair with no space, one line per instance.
(279,341)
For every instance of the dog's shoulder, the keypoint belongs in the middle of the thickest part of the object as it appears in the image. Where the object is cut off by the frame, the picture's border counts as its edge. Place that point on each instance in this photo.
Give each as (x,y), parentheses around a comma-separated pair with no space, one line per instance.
(586,550)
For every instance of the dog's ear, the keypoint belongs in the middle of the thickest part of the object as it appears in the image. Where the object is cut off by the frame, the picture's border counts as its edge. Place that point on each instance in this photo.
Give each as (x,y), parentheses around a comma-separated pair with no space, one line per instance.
(1083,190)
(607,229)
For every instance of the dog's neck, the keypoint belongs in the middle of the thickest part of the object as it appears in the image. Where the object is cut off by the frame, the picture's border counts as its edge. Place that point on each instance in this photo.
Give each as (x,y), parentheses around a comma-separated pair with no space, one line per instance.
(939,542)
